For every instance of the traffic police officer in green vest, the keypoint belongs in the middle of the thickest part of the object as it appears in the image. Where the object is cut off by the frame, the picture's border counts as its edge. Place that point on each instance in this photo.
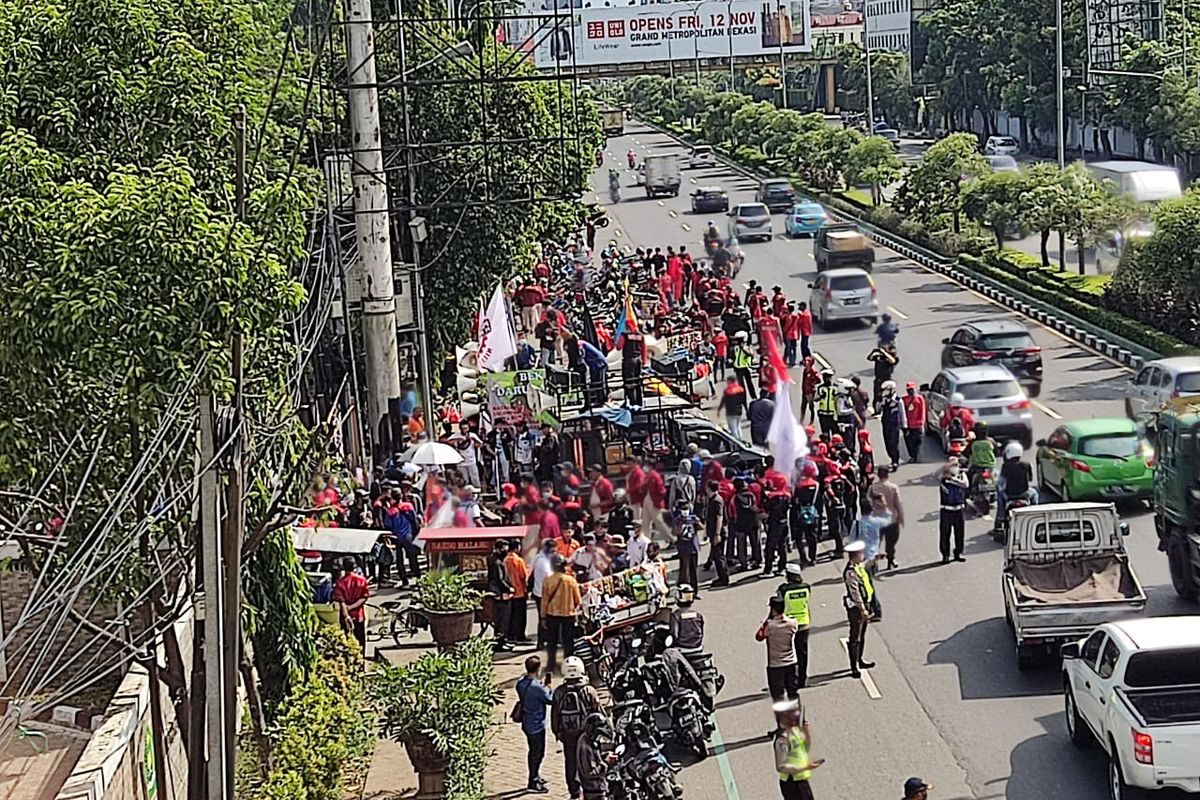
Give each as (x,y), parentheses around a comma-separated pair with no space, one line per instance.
(795,593)
(792,742)
(827,394)
(859,595)
(742,360)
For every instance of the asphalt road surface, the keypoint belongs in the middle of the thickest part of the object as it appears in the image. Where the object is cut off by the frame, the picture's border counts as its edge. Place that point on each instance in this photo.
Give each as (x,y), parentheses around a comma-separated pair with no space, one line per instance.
(945,701)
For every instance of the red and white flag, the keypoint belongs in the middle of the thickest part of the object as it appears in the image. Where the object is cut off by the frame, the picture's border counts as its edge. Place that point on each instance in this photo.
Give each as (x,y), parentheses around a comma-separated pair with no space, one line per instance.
(497,343)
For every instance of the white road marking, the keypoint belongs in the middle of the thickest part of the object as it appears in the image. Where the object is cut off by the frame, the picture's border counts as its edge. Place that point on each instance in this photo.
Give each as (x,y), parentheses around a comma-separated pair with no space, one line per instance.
(685,226)
(617,232)
(867,681)
(672,213)
(693,180)
(1047,411)
(661,203)
(897,312)
(820,359)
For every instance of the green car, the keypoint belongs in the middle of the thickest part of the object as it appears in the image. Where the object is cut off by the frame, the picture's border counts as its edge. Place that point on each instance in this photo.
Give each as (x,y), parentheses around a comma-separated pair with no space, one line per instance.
(1104,459)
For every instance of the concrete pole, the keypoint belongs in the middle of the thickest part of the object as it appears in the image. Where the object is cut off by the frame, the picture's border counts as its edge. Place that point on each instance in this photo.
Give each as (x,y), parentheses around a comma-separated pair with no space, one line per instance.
(867,58)
(371,221)
(783,97)
(729,36)
(1059,105)
(214,645)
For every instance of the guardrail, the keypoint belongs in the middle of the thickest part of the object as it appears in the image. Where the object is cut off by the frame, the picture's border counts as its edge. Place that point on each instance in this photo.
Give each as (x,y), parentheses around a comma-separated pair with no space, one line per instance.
(1078,330)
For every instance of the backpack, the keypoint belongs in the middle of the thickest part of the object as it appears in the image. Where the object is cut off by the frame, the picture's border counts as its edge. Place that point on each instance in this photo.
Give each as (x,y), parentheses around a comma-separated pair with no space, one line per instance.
(572,711)
(956,428)
(808,515)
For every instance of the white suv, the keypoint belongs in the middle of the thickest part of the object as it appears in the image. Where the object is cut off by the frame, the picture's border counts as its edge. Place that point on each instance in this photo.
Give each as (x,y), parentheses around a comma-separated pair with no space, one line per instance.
(1001,146)
(702,156)
(750,221)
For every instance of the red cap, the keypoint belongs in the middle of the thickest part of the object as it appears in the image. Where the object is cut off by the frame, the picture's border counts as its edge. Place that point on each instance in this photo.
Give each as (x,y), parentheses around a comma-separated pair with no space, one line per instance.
(836,439)
(864,434)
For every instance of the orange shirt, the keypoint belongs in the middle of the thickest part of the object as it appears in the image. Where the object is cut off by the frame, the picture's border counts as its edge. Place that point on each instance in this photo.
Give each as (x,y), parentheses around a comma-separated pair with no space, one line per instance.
(518,573)
(565,547)
(415,427)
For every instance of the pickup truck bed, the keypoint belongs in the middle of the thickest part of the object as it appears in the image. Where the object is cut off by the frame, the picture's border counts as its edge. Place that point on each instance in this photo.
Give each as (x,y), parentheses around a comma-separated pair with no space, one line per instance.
(1165,706)
(1087,580)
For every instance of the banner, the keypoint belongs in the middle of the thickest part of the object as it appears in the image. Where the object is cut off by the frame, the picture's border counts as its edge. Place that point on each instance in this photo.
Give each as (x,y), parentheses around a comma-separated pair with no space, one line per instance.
(672,32)
(496,341)
(1111,22)
(517,397)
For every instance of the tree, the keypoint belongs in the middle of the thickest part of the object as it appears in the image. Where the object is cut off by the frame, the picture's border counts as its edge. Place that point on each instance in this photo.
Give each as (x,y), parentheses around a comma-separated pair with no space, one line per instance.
(873,160)
(994,200)
(934,188)
(717,123)
(891,83)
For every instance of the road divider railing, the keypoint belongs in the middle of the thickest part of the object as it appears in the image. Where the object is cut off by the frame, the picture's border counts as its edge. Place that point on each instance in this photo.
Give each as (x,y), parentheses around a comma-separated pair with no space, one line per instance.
(1065,316)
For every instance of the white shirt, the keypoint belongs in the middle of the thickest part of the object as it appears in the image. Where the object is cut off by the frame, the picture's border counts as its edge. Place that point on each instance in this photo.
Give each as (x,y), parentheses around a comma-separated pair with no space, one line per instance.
(636,550)
(468,448)
(541,568)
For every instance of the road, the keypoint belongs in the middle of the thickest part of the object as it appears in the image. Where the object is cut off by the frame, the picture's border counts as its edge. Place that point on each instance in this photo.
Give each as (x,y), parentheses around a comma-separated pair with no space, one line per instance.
(946,701)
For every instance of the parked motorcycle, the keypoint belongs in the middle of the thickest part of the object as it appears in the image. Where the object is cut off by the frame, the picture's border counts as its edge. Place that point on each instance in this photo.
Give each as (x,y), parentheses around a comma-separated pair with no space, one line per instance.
(691,725)
(652,774)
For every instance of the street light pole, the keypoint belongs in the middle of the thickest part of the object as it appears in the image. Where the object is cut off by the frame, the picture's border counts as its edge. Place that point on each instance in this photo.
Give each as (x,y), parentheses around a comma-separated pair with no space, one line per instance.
(783,95)
(1058,95)
(729,35)
(867,58)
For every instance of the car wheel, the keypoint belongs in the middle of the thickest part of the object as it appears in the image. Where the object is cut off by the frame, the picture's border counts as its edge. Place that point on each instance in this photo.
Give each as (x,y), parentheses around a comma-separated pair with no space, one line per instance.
(1077,729)
(1035,389)
(1118,789)
(1182,578)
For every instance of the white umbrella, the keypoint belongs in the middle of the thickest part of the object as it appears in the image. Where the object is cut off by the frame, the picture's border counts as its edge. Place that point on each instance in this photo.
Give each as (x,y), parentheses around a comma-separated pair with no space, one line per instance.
(432,454)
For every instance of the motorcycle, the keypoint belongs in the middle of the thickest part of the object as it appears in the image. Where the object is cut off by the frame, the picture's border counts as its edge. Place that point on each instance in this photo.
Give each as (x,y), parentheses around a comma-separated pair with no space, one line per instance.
(652,773)
(691,725)
(1000,529)
(983,492)
(702,662)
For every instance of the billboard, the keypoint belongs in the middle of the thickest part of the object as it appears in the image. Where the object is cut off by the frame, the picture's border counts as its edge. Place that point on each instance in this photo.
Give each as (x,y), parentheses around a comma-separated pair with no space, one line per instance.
(678,31)
(1110,23)
(517,397)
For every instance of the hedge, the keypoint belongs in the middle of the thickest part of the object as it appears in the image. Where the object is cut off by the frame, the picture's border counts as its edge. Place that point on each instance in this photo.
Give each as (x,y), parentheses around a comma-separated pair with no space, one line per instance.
(1104,319)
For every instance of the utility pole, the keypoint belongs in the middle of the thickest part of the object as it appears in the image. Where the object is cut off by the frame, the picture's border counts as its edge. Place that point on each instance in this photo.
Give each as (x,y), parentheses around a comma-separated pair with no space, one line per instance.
(783,97)
(231,545)
(214,644)
(371,222)
(867,59)
(1060,106)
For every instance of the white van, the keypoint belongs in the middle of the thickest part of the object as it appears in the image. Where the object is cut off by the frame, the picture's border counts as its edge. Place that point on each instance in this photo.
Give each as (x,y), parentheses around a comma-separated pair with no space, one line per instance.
(1140,181)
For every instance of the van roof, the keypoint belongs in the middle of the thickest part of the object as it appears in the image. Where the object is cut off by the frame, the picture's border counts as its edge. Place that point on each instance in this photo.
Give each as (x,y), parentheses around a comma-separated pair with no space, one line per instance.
(1130,166)
(1161,633)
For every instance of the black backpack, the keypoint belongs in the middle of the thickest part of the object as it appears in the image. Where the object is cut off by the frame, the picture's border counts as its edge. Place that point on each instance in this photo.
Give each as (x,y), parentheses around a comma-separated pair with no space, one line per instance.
(572,711)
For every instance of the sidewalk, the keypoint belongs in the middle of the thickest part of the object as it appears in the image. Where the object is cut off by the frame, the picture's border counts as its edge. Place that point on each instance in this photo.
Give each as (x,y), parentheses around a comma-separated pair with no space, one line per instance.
(391,775)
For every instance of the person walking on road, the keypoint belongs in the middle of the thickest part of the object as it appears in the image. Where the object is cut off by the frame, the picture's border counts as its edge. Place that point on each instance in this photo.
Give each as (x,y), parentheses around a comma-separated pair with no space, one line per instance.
(499,584)
(760,413)
(914,421)
(886,495)
(779,632)
(745,527)
(792,761)
(682,486)
(714,530)
(891,417)
(573,703)
(687,542)
(953,490)
(806,513)
(805,323)
(790,322)
(560,604)
(777,505)
(742,359)
(860,594)
(885,360)
(809,382)
(827,403)
(916,789)
(533,698)
(795,594)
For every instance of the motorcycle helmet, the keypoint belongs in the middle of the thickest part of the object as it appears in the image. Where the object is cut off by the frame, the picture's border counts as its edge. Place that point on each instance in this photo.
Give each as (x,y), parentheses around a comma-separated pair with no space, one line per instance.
(1013,450)
(837,439)
(573,669)
(957,399)
(981,430)
(712,224)
(888,386)
(809,470)
(686,594)
(620,496)
(596,726)
(864,435)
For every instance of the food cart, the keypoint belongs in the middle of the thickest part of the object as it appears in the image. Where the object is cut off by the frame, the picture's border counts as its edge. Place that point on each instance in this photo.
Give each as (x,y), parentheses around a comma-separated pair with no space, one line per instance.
(318,547)
(467,550)
(616,603)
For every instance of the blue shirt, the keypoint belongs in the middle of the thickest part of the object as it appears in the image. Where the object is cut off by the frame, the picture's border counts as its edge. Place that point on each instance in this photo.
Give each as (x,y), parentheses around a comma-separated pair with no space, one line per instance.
(535,699)
(869,530)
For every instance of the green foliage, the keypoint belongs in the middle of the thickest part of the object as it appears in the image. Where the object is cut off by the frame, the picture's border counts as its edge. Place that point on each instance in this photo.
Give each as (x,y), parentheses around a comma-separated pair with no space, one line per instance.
(447,590)
(448,697)
(994,200)
(891,83)
(873,160)
(324,729)
(933,189)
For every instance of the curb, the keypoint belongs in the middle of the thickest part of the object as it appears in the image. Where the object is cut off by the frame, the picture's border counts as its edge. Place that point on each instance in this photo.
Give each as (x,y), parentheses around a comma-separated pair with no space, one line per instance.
(1077,330)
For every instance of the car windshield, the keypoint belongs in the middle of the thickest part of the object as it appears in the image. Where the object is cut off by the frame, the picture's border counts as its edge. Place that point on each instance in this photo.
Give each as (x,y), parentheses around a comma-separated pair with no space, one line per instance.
(1179,667)
(809,210)
(753,211)
(1004,141)
(1110,445)
(777,186)
(988,390)
(847,283)
(1188,382)
(1005,341)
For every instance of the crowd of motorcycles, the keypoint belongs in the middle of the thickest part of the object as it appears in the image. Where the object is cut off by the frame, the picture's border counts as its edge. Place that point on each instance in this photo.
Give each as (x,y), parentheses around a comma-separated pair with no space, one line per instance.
(658,691)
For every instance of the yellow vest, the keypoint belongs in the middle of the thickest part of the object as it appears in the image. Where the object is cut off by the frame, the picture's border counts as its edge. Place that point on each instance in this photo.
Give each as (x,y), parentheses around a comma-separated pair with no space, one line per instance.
(826,399)
(741,358)
(797,756)
(866,579)
(795,604)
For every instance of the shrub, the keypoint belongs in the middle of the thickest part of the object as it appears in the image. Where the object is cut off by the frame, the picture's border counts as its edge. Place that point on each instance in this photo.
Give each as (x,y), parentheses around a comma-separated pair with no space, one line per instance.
(447,590)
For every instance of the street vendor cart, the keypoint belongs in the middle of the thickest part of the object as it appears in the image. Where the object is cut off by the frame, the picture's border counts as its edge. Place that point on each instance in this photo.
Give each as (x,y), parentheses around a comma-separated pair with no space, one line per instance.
(615,605)
(467,550)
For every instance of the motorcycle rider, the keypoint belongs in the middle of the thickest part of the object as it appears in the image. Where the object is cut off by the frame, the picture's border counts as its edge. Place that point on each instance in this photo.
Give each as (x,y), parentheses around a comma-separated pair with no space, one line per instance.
(574,703)
(1015,481)
(631,157)
(680,672)
(614,185)
(594,755)
(687,624)
(982,455)
(712,236)
(957,421)
(795,593)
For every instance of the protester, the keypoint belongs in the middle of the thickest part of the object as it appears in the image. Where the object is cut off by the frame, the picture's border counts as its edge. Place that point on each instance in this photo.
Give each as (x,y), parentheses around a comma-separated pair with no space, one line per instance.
(351,593)
(520,579)
(560,605)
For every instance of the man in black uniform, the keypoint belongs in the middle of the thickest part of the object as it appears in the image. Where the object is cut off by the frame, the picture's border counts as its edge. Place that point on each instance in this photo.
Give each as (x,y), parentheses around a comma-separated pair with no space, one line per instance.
(687,624)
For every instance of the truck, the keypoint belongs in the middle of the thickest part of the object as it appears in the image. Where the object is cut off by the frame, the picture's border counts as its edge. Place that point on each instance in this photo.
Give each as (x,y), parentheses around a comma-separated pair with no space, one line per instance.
(1065,572)
(612,121)
(662,175)
(842,245)
(1133,687)
(1177,491)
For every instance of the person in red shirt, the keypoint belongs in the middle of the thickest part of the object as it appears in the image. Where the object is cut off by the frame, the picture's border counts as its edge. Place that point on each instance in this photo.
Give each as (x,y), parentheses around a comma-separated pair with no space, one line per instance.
(790,322)
(600,501)
(635,486)
(654,503)
(775,480)
(675,273)
(351,593)
(720,345)
(806,328)
(712,469)
(551,527)
(956,411)
(756,303)
(529,297)
(664,289)
(914,420)
(778,301)
(808,387)
(768,325)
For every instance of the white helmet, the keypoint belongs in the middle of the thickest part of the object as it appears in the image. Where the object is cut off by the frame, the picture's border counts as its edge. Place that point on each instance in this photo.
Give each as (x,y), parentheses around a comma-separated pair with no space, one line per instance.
(686,594)
(1013,450)
(573,669)
(888,386)
(957,399)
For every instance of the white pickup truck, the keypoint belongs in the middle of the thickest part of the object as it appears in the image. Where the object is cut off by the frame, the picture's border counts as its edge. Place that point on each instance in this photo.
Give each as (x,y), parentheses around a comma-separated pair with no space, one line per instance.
(1134,686)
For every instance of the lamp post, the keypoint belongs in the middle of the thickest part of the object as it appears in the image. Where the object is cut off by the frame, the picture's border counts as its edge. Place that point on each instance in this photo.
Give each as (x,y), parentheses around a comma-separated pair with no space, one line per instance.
(1061,111)
(783,98)
(729,36)
(1082,88)
(867,59)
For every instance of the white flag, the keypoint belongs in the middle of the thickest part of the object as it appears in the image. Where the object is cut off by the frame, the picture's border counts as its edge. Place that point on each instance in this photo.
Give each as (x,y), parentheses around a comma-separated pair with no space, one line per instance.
(785,435)
(496,341)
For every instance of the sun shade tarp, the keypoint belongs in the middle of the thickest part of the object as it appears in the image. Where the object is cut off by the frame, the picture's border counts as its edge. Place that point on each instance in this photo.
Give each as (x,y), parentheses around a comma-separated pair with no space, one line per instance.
(1086,580)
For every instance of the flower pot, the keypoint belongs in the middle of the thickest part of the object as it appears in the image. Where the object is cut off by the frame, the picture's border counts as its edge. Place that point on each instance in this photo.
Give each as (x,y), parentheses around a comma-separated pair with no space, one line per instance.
(450,627)
(430,766)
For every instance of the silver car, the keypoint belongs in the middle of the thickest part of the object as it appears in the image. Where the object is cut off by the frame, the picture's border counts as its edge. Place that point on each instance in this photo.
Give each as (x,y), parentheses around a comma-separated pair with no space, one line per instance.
(990,392)
(843,294)
(750,221)
(1158,381)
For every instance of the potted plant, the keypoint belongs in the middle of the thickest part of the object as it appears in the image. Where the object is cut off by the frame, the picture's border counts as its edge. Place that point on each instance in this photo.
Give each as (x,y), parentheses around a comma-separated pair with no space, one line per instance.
(449,602)
(439,707)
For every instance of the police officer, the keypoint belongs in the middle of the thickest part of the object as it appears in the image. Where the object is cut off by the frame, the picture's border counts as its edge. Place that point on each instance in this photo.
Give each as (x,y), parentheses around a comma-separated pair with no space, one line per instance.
(792,741)
(741,360)
(795,593)
(687,624)
(859,596)
(827,403)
